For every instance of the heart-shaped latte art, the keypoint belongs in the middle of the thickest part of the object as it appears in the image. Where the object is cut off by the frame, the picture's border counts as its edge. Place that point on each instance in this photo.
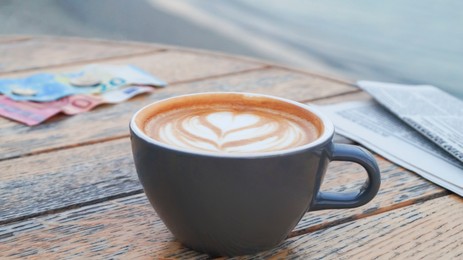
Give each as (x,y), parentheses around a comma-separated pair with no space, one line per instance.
(230,131)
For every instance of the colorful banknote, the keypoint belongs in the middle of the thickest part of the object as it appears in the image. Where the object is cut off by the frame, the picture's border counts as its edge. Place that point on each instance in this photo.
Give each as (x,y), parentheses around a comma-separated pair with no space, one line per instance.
(34,113)
(92,79)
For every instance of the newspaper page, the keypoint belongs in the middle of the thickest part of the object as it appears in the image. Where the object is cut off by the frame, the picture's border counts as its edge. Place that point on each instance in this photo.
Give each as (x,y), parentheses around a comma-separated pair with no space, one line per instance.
(371,125)
(434,113)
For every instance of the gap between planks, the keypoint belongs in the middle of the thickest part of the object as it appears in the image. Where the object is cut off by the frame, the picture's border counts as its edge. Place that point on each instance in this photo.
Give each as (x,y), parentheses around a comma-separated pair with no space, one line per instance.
(261,61)
(69,207)
(83,62)
(345,94)
(13,38)
(400,205)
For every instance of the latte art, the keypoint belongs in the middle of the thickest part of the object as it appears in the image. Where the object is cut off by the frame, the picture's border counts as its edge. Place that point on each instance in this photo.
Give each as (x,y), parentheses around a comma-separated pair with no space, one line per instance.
(230,130)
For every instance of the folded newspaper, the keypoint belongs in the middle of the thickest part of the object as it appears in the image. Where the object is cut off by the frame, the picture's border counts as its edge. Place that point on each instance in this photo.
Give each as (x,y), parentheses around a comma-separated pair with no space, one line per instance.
(417,127)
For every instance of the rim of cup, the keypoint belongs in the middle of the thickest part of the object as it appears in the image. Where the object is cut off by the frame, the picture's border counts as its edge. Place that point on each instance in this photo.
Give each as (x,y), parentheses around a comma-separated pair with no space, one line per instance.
(328,129)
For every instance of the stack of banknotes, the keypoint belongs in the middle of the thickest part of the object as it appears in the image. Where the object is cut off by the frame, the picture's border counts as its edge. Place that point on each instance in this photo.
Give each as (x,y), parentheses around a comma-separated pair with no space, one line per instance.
(34,99)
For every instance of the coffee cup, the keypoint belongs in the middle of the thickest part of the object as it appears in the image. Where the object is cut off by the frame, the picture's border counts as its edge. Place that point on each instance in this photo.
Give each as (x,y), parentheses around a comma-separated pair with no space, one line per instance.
(233,173)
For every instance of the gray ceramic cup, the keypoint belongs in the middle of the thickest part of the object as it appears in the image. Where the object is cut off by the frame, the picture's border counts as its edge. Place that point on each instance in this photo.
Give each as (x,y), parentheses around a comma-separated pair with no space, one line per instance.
(235,204)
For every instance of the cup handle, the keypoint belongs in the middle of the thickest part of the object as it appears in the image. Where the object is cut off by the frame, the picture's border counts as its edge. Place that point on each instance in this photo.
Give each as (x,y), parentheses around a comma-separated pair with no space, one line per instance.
(335,200)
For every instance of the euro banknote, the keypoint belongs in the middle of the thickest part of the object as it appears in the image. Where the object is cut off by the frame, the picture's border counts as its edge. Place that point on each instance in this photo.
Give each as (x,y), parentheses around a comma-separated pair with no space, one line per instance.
(92,79)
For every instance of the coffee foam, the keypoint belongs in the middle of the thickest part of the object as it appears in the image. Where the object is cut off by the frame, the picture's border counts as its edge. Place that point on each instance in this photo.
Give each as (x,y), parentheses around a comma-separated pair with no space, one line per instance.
(231,125)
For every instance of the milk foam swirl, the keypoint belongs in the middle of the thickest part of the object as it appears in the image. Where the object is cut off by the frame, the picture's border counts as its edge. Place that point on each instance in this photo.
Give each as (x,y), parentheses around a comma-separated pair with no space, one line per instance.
(222,129)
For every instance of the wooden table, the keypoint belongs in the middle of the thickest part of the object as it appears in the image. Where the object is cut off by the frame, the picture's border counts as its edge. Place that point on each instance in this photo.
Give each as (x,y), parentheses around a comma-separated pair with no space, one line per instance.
(68,188)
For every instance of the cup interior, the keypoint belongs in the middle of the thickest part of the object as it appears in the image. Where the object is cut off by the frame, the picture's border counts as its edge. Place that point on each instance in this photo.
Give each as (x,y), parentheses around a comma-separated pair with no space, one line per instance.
(322,124)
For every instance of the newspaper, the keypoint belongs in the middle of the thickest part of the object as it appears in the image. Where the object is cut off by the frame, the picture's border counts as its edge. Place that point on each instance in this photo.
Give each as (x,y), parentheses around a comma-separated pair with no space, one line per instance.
(371,125)
(434,113)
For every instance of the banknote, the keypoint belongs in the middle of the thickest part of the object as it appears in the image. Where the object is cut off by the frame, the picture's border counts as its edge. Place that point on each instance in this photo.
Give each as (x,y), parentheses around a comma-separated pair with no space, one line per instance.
(82,103)
(29,113)
(92,79)
(34,113)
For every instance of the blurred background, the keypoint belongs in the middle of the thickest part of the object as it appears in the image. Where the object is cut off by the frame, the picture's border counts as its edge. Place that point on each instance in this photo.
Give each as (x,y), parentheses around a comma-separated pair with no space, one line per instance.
(407,41)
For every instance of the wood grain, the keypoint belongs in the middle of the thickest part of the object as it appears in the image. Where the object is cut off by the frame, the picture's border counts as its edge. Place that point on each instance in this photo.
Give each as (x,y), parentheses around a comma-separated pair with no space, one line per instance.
(50,181)
(345,97)
(40,52)
(272,81)
(173,66)
(429,230)
(12,38)
(129,228)
(109,122)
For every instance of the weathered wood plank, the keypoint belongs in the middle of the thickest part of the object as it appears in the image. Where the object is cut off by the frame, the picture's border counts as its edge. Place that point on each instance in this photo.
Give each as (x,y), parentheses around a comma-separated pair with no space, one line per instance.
(12,38)
(45,182)
(173,66)
(345,97)
(50,181)
(431,230)
(110,122)
(272,81)
(129,228)
(40,52)
(338,78)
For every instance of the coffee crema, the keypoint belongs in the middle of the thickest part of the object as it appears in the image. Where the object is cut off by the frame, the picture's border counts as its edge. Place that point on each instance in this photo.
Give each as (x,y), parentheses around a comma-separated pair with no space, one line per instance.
(233,127)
